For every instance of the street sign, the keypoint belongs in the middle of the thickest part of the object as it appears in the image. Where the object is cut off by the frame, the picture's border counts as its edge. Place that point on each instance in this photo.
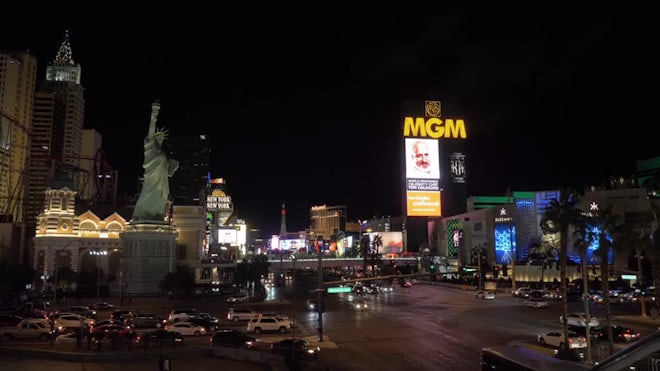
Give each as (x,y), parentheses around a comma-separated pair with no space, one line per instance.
(336,290)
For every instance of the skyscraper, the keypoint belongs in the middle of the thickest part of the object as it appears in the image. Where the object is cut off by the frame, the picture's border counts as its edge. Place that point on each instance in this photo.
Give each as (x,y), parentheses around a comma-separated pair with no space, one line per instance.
(58,122)
(188,184)
(63,79)
(18,75)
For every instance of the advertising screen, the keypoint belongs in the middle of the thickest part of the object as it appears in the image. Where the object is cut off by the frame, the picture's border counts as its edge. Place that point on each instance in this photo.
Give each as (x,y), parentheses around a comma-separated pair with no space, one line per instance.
(294,245)
(392,242)
(227,236)
(422,159)
(422,177)
(505,242)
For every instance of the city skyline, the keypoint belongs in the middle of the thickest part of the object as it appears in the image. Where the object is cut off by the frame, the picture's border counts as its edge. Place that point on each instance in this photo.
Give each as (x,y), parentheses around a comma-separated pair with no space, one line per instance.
(309,111)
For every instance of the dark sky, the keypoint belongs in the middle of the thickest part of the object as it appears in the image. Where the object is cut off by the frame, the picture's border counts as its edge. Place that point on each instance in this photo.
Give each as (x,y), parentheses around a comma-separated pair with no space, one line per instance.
(305,108)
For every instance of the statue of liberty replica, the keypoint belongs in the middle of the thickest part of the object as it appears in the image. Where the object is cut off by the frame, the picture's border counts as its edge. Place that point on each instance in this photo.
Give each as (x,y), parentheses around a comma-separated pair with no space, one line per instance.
(149,241)
(153,200)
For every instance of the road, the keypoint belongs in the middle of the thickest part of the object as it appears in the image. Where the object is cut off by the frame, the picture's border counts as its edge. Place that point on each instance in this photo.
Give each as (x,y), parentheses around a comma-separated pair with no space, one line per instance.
(421,328)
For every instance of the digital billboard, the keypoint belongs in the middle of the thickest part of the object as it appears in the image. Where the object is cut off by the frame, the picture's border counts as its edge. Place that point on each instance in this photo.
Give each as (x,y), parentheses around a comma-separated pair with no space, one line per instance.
(392,242)
(227,236)
(425,166)
(505,242)
(294,245)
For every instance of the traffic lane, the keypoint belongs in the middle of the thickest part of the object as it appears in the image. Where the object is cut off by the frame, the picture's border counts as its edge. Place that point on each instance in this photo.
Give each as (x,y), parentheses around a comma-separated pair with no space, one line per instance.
(13,363)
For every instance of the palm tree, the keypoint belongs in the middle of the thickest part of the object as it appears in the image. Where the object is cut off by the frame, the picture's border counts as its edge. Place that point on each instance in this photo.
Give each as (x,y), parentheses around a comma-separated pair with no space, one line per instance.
(606,223)
(559,216)
(585,238)
(635,236)
(375,256)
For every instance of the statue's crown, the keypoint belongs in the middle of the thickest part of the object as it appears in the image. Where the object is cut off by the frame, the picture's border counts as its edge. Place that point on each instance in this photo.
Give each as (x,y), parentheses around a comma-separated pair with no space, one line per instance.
(161,131)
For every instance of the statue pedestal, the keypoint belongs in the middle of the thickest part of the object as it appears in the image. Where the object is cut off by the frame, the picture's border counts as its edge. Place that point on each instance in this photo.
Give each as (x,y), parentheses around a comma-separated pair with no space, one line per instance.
(149,253)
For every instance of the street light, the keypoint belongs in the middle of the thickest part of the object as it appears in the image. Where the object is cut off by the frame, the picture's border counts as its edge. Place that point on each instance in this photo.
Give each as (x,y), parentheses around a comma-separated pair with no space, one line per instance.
(293,296)
(319,290)
(98,271)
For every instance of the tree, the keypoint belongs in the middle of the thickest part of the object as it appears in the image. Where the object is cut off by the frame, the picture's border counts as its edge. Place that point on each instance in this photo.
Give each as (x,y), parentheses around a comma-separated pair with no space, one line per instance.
(365,241)
(376,244)
(585,238)
(558,217)
(634,236)
(605,223)
(181,280)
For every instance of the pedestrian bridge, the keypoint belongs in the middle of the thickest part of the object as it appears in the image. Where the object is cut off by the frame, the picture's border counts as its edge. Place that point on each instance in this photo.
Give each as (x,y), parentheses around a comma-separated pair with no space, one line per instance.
(286,263)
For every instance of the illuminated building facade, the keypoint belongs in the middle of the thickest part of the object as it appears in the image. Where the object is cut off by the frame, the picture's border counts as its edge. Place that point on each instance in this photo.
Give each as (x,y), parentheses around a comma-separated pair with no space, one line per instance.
(327,221)
(18,75)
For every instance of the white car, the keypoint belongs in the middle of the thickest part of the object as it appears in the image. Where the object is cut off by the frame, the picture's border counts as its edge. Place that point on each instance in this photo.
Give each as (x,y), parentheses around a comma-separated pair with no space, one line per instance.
(240,298)
(187,329)
(556,339)
(258,325)
(66,338)
(535,303)
(72,320)
(485,295)
(522,292)
(579,319)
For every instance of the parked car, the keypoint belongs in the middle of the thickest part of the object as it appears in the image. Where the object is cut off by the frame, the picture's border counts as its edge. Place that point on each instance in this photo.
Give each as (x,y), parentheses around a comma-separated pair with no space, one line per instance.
(258,325)
(241,314)
(66,321)
(579,319)
(119,331)
(232,338)
(535,303)
(207,324)
(582,330)
(121,314)
(83,310)
(186,328)
(27,329)
(143,320)
(158,337)
(238,298)
(67,338)
(620,334)
(556,339)
(300,347)
(485,295)
(522,292)
(102,305)
(177,315)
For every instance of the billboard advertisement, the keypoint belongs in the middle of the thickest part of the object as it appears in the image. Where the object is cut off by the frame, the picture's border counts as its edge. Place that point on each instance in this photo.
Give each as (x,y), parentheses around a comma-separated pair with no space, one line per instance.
(457,168)
(227,236)
(392,242)
(425,166)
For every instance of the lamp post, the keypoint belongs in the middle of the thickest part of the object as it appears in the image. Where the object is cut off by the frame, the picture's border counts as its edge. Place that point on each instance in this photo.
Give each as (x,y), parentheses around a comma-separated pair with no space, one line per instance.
(98,271)
(319,291)
(293,297)
(512,240)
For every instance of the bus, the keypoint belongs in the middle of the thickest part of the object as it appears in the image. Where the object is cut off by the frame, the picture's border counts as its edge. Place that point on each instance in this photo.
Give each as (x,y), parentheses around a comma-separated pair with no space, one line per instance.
(520,358)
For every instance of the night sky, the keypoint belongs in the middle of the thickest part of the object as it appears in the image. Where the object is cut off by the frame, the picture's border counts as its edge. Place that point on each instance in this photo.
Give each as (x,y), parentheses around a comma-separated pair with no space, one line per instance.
(306,108)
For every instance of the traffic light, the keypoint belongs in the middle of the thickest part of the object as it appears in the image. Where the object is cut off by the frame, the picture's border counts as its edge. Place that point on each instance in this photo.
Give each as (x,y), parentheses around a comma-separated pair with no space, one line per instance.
(505,270)
(496,271)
